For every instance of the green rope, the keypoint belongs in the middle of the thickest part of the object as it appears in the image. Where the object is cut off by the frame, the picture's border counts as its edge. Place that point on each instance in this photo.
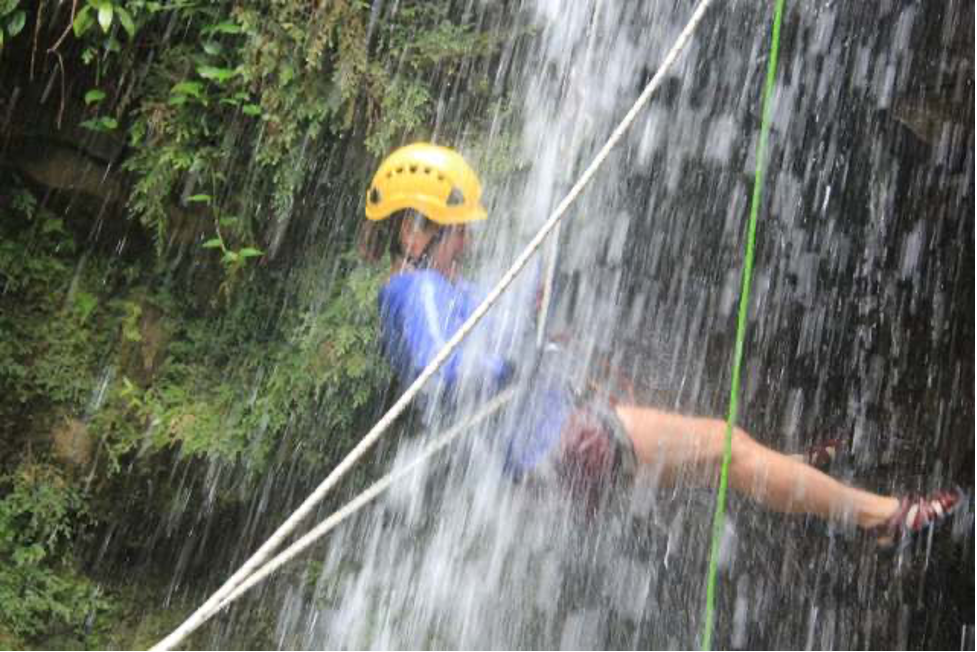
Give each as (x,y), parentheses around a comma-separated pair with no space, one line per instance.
(719,520)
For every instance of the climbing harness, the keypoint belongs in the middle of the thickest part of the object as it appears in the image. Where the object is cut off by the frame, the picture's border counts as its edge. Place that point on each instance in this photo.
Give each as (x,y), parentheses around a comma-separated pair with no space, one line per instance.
(221,597)
(719,520)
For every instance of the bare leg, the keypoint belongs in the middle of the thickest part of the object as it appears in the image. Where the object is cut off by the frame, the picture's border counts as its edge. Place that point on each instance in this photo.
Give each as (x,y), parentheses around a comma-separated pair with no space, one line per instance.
(692,446)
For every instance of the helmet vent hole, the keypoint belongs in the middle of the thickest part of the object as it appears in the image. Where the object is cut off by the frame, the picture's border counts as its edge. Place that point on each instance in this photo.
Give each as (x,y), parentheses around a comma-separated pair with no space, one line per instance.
(413,169)
(455,198)
(399,170)
(374,196)
(427,170)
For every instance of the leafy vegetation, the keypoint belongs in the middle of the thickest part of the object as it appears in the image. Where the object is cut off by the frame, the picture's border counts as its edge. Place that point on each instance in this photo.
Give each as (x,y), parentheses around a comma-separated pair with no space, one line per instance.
(224,394)
(249,89)
(186,296)
(40,589)
(12,20)
(49,325)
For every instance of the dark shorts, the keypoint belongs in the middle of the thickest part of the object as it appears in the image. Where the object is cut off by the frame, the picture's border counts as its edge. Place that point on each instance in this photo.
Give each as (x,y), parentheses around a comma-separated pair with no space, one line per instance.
(595,453)
(594,458)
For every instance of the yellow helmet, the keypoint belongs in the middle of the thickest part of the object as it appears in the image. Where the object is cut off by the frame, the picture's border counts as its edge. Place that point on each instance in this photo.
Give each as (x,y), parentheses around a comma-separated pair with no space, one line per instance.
(433,180)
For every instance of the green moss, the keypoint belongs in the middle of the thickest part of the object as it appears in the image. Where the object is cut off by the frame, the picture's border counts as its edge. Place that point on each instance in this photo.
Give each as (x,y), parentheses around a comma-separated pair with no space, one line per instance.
(228,333)
(52,320)
(229,387)
(241,96)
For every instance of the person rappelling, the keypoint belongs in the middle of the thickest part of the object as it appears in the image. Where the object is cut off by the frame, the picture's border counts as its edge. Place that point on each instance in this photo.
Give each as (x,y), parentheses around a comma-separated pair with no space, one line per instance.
(426,196)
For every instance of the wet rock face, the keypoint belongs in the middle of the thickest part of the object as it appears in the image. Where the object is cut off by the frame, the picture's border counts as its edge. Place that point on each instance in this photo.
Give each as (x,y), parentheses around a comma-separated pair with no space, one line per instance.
(862,315)
(937,103)
(63,167)
(862,326)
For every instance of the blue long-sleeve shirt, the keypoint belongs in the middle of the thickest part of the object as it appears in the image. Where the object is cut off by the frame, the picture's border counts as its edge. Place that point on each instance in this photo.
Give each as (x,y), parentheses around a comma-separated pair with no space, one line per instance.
(420,310)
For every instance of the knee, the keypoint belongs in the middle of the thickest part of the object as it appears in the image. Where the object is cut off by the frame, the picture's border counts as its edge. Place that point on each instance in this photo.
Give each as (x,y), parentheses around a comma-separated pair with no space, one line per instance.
(746,456)
(743,441)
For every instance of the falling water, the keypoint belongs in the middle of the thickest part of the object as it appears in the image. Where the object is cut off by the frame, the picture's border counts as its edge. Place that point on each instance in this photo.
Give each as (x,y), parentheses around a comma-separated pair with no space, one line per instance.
(857,322)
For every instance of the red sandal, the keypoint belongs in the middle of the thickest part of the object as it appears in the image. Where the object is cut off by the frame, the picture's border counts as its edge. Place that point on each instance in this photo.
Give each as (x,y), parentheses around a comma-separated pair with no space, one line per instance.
(916,514)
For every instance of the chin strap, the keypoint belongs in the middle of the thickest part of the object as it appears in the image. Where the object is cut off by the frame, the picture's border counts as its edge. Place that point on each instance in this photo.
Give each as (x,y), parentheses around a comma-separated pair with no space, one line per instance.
(423,260)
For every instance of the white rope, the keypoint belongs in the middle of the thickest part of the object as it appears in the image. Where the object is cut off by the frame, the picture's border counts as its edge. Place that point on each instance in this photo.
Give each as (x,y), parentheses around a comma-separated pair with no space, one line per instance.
(364,498)
(285,529)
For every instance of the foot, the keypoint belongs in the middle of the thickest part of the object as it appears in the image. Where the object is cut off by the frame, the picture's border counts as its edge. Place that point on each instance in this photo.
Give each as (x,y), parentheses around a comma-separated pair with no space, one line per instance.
(916,514)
